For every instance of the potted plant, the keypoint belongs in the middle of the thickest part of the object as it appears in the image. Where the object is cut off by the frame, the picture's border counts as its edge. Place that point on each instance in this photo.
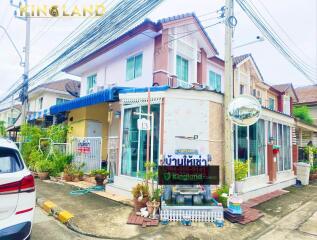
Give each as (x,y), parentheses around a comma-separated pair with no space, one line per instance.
(154,202)
(77,175)
(43,168)
(68,172)
(240,174)
(100,176)
(140,194)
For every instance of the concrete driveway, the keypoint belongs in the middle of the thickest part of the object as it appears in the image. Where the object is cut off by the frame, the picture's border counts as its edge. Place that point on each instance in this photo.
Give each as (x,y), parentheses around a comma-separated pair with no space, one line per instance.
(291,216)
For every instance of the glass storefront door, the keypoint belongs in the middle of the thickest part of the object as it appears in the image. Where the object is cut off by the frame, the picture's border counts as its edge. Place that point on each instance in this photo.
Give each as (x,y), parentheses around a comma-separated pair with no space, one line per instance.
(134,141)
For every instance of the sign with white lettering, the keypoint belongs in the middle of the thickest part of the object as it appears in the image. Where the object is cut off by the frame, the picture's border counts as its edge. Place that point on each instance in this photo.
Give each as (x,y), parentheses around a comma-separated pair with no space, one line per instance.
(186,160)
(144,124)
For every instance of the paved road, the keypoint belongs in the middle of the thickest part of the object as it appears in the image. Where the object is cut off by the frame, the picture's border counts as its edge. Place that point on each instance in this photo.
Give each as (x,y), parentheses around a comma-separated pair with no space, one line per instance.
(46,227)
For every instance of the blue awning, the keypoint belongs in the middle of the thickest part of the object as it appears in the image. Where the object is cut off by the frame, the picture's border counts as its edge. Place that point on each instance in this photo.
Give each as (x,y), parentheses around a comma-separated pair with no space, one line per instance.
(107,95)
(144,89)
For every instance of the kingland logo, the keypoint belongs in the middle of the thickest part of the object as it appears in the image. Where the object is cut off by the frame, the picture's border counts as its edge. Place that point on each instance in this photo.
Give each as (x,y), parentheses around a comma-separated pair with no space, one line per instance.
(54,10)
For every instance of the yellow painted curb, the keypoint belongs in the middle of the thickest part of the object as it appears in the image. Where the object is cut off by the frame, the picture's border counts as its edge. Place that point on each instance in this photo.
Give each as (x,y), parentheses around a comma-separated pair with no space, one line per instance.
(48,205)
(64,216)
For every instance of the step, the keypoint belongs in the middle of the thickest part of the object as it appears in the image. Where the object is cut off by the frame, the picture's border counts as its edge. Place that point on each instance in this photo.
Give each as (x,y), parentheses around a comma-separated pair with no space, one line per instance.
(120,190)
(267,188)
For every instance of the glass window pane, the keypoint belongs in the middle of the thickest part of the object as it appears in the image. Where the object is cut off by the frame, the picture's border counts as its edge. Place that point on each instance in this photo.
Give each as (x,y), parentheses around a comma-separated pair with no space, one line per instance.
(9,161)
(130,69)
(280,143)
(182,68)
(138,66)
(242,143)
(287,148)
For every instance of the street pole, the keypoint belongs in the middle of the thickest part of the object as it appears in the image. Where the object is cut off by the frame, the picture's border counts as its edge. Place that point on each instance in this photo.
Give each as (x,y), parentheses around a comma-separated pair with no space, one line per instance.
(25,88)
(228,156)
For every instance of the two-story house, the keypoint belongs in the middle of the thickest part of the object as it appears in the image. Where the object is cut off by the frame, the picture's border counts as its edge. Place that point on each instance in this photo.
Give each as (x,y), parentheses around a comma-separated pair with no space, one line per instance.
(42,97)
(9,115)
(186,96)
(275,127)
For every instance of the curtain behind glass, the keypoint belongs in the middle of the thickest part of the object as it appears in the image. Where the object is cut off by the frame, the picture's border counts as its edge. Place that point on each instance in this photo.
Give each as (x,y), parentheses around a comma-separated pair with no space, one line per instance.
(126,144)
(261,147)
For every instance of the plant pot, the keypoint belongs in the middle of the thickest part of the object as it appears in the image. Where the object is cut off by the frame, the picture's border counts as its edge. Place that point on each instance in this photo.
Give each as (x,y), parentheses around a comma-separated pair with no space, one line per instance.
(239,186)
(67,177)
(150,207)
(140,204)
(100,179)
(313,176)
(43,175)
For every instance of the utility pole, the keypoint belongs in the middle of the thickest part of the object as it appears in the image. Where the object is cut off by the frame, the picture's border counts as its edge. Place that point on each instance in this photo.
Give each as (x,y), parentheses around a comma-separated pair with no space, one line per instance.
(228,143)
(25,88)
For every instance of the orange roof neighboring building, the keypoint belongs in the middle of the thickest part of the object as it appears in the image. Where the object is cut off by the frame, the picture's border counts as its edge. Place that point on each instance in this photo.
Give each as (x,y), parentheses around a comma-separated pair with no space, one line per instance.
(307,94)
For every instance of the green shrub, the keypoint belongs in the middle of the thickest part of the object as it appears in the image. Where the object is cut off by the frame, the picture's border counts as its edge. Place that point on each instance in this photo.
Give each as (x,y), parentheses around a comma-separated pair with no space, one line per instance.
(43,166)
(3,131)
(303,113)
(103,172)
(240,170)
(34,157)
(224,190)
(59,161)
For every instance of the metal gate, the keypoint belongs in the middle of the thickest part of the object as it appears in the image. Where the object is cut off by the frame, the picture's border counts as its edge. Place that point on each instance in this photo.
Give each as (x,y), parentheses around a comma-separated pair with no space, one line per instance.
(87,151)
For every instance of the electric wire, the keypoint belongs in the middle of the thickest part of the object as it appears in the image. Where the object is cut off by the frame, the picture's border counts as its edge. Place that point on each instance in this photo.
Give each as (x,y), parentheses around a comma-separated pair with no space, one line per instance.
(275,41)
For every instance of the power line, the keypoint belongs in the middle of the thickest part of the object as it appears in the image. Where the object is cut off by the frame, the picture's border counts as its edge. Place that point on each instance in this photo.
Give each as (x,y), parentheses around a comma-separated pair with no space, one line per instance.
(283,30)
(275,40)
(7,27)
(113,24)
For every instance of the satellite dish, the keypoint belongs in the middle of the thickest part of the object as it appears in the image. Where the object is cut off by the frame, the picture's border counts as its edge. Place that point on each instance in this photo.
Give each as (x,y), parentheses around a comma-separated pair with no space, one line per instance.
(244,110)
(73,88)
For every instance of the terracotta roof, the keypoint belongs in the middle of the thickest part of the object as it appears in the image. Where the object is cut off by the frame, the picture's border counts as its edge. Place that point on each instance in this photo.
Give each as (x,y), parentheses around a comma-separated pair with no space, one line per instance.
(186,15)
(282,88)
(238,59)
(57,85)
(307,94)
(145,25)
(217,60)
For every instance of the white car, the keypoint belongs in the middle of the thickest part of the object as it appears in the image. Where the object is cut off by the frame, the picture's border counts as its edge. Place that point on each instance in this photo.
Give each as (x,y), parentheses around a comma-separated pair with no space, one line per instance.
(17,194)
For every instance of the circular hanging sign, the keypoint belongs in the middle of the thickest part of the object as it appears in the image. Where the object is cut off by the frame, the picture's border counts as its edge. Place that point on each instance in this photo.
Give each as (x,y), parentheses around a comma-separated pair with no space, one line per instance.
(244,110)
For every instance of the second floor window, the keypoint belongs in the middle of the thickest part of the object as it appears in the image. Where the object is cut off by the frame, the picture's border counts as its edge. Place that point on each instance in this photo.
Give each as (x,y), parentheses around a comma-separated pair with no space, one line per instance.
(61,100)
(215,81)
(40,102)
(91,83)
(134,67)
(271,104)
(182,68)
(241,89)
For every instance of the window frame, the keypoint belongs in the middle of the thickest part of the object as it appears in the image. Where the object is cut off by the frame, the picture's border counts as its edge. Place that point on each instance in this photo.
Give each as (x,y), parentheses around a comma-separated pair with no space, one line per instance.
(217,80)
(181,76)
(271,101)
(88,78)
(136,72)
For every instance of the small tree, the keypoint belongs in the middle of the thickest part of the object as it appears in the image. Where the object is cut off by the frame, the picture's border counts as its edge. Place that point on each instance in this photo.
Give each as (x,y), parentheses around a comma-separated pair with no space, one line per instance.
(303,113)
(3,132)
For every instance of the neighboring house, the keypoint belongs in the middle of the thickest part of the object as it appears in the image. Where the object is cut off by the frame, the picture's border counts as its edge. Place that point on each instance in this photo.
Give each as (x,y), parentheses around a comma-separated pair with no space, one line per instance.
(307,96)
(254,143)
(42,97)
(9,115)
(186,83)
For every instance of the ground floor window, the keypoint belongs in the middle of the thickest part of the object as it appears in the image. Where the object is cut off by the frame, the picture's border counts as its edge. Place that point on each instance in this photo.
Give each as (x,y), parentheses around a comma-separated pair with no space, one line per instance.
(281,136)
(134,141)
(250,145)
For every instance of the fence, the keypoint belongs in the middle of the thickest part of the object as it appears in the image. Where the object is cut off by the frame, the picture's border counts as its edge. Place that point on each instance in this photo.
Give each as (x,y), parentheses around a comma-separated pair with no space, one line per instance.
(87,151)
(194,213)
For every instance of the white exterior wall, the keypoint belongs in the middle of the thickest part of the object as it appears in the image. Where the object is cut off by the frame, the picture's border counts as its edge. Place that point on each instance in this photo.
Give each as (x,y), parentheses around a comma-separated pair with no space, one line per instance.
(217,69)
(6,114)
(114,70)
(186,117)
(49,99)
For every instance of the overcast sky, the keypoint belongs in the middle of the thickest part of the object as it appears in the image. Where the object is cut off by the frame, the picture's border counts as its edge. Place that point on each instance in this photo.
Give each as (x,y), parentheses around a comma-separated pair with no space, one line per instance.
(296,17)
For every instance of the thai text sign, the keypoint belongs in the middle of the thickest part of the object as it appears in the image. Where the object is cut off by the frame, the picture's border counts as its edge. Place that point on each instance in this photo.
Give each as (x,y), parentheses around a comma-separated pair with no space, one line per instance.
(184,175)
(186,160)
(83,147)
